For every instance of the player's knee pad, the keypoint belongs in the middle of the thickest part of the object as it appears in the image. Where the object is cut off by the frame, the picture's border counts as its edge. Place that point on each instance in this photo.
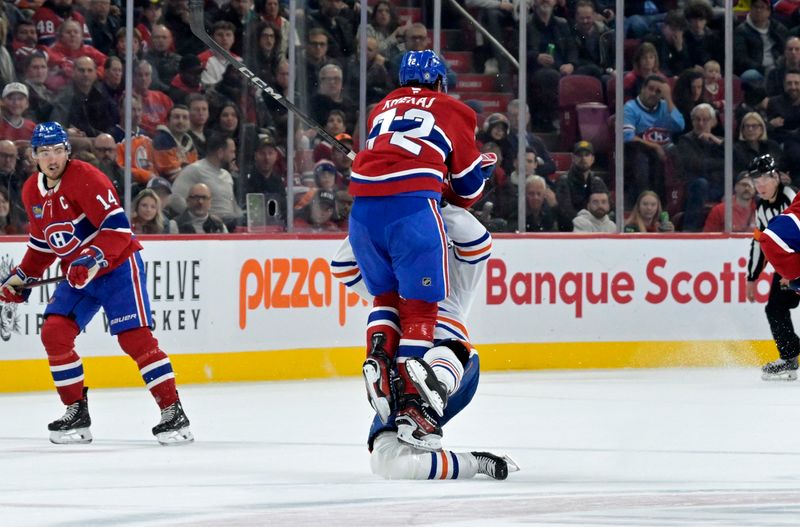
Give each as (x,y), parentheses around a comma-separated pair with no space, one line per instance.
(138,343)
(391,459)
(58,335)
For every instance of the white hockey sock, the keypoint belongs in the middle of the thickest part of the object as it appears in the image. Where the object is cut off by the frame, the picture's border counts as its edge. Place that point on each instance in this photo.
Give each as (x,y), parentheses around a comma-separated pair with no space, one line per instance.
(394,460)
(446,366)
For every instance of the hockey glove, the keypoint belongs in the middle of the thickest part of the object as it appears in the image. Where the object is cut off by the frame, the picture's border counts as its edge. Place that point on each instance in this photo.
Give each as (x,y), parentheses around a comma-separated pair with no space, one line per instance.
(13,290)
(85,267)
(794,285)
(488,162)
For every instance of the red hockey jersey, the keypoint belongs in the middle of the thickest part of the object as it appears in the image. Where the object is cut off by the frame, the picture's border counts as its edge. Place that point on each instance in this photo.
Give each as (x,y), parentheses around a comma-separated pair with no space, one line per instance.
(47,24)
(416,137)
(83,209)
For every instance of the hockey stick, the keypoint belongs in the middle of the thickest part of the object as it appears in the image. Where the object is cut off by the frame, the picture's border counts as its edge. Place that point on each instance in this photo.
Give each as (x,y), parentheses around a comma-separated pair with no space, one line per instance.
(197,25)
(46,281)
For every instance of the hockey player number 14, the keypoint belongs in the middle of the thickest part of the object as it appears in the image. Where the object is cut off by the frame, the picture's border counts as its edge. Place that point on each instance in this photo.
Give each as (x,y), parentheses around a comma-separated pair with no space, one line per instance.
(414,123)
(111,199)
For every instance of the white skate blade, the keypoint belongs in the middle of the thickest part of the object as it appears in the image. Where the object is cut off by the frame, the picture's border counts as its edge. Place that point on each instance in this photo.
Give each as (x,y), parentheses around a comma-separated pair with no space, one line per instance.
(175,437)
(419,375)
(784,376)
(378,403)
(430,442)
(512,465)
(76,436)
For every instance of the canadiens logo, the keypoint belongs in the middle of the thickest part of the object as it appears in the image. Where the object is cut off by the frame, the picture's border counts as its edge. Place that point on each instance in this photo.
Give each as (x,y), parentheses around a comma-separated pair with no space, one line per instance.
(37,211)
(61,238)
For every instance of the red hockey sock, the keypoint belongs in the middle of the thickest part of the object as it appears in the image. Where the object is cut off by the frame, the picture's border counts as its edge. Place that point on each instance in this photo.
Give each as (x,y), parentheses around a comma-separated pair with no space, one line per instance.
(154,365)
(417,320)
(385,318)
(66,367)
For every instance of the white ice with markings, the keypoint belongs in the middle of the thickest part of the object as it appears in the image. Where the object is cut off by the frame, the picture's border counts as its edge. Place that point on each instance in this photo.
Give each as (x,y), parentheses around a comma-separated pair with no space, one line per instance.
(597,448)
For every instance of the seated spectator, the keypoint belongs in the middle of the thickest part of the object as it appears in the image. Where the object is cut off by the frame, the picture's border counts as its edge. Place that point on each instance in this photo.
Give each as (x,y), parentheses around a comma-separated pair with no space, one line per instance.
(50,16)
(754,101)
(226,120)
(271,13)
(155,104)
(331,96)
(384,26)
(334,125)
(378,83)
(171,205)
(11,176)
(342,163)
(702,43)
(573,188)
(752,59)
(744,208)
(159,54)
(544,162)
(541,208)
(645,64)
(146,215)
(103,25)
(415,38)
(83,106)
(121,43)
(688,93)
(267,54)
(113,86)
(40,97)
(213,67)
(714,89)
(649,121)
(176,18)
(267,175)
(753,142)
(187,81)
(14,126)
(25,41)
(341,215)
(495,129)
(551,54)
(594,218)
(198,118)
(149,15)
(173,148)
(10,220)
(642,17)
(338,27)
(673,55)
(647,215)
(197,219)
(104,149)
(212,170)
(498,207)
(595,56)
(700,166)
(118,132)
(530,167)
(64,53)
(783,113)
(789,61)
(324,179)
(318,215)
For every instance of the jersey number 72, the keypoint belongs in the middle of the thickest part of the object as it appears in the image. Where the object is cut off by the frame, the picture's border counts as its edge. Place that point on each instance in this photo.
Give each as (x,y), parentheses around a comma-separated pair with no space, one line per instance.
(413,123)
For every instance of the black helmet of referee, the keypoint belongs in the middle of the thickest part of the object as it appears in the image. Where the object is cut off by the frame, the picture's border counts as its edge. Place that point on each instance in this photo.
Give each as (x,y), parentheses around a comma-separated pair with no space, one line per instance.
(762,165)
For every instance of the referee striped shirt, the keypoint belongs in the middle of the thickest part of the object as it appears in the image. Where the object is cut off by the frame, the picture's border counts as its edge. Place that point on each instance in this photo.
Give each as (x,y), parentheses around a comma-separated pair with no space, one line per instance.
(765,211)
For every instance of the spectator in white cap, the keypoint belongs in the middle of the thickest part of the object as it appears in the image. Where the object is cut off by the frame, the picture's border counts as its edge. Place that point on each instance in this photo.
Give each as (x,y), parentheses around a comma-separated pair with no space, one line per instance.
(14,126)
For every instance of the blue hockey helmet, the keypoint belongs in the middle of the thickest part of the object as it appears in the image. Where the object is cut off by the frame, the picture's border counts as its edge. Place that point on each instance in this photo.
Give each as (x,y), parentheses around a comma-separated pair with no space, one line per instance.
(49,133)
(424,67)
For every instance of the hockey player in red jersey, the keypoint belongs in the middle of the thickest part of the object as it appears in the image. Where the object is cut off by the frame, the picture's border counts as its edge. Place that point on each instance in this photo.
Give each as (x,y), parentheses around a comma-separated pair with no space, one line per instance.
(75,215)
(419,140)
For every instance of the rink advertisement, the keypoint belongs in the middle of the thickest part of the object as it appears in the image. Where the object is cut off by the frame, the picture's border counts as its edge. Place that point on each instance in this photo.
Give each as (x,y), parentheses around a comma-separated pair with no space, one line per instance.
(255,308)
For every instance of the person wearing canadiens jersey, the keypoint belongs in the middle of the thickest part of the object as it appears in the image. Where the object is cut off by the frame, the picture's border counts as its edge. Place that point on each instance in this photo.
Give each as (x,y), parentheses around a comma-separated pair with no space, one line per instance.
(76,216)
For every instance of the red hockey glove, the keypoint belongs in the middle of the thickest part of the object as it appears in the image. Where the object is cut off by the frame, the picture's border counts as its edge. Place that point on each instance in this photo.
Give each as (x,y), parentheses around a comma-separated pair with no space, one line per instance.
(85,267)
(488,162)
(13,290)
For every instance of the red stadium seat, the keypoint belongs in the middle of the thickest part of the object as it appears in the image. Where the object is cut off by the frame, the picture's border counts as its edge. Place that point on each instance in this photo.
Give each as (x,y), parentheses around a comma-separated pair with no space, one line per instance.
(593,125)
(563,160)
(574,90)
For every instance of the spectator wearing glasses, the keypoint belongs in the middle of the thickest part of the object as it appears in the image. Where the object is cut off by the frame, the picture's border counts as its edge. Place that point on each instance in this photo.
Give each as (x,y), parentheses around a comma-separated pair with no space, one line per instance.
(197,219)
(331,96)
(753,142)
(316,56)
(105,151)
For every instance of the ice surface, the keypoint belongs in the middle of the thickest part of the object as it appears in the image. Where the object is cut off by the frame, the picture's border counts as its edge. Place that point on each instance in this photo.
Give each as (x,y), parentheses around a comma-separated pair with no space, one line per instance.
(597,448)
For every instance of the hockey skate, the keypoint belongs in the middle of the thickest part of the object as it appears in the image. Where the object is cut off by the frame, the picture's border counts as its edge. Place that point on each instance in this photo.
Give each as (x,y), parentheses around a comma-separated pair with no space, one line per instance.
(417,425)
(174,426)
(376,377)
(73,427)
(497,467)
(780,370)
(424,379)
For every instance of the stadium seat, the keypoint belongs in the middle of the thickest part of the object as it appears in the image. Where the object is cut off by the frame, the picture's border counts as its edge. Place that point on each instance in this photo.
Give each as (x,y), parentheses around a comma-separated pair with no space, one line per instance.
(593,125)
(574,90)
(459,61)
(563,160)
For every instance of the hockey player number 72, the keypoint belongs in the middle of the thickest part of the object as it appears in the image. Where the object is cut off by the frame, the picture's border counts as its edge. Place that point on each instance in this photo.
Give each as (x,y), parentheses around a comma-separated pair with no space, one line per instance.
(389,123)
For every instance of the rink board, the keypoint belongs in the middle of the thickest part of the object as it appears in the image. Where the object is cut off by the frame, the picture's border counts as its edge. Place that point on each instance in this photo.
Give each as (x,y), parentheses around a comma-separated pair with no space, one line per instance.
(261,308)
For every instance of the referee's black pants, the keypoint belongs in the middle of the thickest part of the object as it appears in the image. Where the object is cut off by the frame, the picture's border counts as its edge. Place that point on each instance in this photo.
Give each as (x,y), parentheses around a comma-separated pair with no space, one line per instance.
(779,305)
